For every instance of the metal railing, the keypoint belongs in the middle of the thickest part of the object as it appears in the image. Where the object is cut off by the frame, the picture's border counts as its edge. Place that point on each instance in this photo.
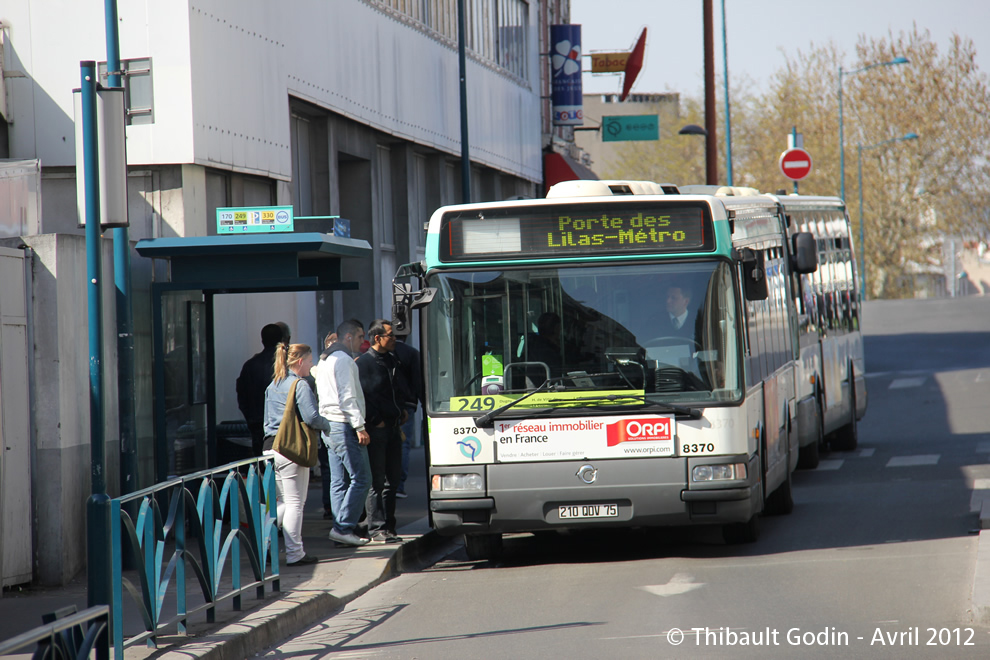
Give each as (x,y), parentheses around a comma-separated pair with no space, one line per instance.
(202,528)
(74,636)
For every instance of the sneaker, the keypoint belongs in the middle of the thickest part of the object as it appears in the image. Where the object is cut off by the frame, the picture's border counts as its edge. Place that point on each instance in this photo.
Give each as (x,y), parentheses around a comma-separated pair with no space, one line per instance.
(348,539)
(401,495)
(306,559)
(385,537)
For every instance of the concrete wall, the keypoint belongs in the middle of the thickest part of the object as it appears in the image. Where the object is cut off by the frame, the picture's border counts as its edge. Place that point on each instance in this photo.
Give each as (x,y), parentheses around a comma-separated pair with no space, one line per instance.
(16,509)
(222,72)
(61,393)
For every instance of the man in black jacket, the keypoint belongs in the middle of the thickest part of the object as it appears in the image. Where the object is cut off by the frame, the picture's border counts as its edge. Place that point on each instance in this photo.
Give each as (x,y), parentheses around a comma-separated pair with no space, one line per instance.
(385,414)
(411,391)
(255,376)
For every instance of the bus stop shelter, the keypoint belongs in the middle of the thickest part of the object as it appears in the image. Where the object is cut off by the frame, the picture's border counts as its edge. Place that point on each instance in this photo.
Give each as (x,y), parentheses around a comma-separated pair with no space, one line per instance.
(199,269)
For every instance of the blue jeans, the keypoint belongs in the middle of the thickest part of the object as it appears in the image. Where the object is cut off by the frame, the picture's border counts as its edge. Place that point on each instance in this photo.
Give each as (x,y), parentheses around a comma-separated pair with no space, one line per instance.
(350,475)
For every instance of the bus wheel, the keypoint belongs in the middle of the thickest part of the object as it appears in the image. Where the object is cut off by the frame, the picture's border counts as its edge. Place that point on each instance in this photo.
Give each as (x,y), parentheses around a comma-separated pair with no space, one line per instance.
(808,455)
(847,437)
(738,533)
(483,546)
(781,501)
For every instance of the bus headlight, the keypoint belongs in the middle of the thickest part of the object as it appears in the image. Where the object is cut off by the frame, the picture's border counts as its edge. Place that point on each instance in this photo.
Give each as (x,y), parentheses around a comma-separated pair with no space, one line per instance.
(723,472)
(468,481)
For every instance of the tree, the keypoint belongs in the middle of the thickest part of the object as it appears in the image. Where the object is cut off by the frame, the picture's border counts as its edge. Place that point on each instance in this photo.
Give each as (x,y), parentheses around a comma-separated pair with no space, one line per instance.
(914,192)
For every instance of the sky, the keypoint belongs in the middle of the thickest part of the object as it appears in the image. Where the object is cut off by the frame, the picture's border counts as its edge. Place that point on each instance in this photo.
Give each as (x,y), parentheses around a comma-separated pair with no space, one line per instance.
(759,33)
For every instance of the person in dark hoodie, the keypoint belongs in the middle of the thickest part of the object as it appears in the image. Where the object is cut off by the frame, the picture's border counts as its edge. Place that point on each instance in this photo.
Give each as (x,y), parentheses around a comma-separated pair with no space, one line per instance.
(385,414)
(255,376)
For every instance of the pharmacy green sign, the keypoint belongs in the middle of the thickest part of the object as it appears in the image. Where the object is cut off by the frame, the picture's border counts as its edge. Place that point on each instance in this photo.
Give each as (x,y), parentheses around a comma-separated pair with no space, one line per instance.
(625,128)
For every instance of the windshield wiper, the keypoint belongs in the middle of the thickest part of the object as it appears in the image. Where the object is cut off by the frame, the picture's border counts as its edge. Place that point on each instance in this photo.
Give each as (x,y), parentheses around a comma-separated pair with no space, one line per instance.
(486,420)
(693,413)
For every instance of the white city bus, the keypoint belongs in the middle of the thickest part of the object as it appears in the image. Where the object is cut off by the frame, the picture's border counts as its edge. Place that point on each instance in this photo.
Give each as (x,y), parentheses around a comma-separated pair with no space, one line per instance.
(830,379)
(832,369)
(561,395)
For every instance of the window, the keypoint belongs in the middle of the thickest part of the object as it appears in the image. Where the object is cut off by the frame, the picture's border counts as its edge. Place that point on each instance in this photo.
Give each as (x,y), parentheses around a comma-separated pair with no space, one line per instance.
(138,89)
(302,165)
(496,29)
(588,327)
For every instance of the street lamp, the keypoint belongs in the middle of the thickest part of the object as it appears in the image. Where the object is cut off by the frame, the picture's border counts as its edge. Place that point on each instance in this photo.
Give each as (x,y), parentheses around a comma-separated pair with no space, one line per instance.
(842,151)
(862,240)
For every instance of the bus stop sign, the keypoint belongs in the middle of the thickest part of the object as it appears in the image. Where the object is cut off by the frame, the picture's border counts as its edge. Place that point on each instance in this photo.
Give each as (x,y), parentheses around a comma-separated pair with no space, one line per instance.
(795,164)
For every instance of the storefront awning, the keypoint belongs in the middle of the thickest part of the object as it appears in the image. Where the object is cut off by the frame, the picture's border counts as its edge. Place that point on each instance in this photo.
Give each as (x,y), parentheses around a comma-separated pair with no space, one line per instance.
(558,167)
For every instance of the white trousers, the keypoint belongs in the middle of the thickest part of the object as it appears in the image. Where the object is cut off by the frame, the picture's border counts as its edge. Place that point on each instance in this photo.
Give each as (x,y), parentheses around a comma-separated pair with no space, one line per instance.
(291,485)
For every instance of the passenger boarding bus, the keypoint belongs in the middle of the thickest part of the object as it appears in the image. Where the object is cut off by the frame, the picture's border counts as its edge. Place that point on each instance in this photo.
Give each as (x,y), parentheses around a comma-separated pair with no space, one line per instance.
(599,360)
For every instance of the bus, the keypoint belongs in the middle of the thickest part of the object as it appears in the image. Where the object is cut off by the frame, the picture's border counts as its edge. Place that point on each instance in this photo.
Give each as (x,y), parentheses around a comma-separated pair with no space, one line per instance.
(832,368)
(831,372)
(598,359)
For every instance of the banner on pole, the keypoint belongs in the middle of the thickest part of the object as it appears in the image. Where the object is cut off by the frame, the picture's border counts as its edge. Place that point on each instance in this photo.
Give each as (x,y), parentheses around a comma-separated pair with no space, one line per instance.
(565,62)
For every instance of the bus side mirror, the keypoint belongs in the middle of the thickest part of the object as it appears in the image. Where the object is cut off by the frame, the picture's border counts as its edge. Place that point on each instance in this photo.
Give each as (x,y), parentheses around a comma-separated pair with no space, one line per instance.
(804,258)
(754,274)
(404,301)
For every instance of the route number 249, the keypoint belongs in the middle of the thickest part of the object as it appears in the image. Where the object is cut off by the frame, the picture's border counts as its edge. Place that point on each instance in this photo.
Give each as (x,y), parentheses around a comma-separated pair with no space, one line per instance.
(477,403)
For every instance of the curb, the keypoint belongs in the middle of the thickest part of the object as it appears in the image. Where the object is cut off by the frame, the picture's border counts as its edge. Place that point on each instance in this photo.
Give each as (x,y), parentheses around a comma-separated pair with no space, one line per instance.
(296,610)
(981,576)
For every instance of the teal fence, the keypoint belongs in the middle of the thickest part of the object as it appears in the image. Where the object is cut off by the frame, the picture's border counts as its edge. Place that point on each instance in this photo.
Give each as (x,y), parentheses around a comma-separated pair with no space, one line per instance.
(74,635)
(199,522)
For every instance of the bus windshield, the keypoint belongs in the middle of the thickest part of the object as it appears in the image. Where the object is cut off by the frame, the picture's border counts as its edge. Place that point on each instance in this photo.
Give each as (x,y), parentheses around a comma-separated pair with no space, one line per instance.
(656,332)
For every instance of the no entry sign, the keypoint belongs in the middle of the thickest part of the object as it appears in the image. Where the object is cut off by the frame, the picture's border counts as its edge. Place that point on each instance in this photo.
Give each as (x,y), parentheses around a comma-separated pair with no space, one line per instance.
(795,164)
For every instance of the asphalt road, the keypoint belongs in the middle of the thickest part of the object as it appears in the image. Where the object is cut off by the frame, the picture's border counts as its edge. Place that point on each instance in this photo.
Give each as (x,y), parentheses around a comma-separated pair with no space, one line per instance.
(877,559)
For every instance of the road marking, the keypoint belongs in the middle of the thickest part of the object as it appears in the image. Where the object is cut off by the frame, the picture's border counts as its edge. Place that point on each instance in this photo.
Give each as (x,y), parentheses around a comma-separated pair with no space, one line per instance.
(830,464)
(912,461)
(901,383)
(866,453)
(681,583)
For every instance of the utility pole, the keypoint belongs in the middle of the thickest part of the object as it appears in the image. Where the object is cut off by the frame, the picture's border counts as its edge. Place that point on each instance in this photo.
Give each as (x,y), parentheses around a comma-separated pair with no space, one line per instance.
(462,68)
(97,511)
(122,281)
(711,146)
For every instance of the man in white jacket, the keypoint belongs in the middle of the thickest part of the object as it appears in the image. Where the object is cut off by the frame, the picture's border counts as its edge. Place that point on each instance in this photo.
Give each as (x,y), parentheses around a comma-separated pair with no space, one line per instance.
(342,402)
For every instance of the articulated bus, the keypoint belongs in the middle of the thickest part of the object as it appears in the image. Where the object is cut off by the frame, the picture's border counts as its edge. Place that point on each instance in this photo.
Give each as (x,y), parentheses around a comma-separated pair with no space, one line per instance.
(830,380)
(604,359)
(831,362)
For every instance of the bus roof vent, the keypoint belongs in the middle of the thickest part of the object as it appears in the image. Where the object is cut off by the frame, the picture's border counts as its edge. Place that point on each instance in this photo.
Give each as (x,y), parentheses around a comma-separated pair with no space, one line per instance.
(669,189)
(719,191)
(579,188)
(620,189)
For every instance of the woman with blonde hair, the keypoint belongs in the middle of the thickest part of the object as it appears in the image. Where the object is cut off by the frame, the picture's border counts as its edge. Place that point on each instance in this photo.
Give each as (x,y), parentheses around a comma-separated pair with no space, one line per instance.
(292,366)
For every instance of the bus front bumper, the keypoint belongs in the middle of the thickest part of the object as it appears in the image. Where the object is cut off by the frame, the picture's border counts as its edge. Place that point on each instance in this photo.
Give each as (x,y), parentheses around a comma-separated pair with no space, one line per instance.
(652,492)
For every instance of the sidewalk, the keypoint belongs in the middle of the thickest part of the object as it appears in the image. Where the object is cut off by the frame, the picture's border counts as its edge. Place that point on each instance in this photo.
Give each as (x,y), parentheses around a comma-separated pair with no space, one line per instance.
(308,593)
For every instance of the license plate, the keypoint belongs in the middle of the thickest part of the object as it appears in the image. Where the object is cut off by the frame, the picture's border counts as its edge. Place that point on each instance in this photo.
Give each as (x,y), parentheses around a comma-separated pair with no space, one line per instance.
(571,511)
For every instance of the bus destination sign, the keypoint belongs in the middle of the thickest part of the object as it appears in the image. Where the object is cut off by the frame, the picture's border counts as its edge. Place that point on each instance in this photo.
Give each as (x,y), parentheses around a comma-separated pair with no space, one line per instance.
(577,230)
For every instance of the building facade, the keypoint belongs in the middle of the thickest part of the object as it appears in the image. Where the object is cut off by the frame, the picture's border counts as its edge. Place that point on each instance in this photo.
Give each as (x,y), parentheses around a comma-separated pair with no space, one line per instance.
(603,156)
(347,108)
